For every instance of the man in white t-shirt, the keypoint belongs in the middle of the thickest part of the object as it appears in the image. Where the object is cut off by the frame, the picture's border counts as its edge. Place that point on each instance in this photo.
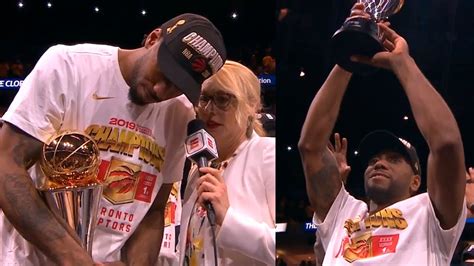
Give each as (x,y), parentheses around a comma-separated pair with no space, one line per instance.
(129,102)
(397,226)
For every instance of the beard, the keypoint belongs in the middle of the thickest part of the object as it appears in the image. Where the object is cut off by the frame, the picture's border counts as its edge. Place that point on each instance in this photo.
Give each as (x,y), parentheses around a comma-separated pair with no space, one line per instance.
(138,93)
(382,195)
(134,97)
(133,94)
(378,194)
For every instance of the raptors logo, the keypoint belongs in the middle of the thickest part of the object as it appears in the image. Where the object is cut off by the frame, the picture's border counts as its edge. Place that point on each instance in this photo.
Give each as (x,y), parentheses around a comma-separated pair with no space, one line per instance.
(199,64)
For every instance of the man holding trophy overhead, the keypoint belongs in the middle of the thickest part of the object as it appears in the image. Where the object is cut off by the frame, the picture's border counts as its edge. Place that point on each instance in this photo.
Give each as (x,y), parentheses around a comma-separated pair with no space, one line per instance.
(129,103)
(397,226)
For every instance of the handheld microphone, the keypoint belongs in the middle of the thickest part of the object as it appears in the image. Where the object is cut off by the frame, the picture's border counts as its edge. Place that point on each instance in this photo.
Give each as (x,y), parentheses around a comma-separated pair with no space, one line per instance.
(201,149)
(200,145)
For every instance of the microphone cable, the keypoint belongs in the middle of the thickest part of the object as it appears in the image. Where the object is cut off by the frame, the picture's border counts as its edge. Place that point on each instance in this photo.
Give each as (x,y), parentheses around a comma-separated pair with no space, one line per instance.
(211,216)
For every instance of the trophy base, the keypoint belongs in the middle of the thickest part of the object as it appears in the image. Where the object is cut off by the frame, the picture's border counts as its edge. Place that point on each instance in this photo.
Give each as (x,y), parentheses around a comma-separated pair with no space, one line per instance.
(78,206)
(357,36)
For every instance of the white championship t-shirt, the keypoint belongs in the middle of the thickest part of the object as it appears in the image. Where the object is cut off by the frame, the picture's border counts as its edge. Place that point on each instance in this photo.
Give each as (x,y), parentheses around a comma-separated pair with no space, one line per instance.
(405,233)
(81,88)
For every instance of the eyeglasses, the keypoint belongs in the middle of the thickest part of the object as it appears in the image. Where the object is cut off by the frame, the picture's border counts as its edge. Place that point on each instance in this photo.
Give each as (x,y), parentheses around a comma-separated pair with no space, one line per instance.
(221,100)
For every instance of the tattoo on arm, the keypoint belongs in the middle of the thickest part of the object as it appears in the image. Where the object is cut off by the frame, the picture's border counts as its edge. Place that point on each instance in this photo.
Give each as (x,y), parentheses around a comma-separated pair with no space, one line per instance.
(325,184)
(327,176)
(26,152)
(31,216)
(19,198)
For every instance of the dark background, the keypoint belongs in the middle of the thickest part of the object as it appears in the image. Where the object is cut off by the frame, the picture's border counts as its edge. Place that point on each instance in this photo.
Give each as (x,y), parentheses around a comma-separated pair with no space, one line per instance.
(28,31)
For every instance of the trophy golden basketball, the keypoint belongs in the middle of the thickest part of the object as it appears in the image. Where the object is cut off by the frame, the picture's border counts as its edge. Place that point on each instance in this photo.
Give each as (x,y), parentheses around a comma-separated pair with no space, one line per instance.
(360,36)
(70,163)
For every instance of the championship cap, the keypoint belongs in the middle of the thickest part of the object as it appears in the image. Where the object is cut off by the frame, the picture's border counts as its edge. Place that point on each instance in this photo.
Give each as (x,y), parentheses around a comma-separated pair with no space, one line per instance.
(192,50)
(379,140)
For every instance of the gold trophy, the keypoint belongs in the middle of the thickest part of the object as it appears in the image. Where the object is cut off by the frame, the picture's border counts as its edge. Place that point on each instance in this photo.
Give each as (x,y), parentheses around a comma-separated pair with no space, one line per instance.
(70,163)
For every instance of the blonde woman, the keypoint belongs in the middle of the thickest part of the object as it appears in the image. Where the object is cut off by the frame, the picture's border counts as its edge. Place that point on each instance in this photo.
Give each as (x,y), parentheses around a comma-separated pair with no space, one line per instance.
(240,186)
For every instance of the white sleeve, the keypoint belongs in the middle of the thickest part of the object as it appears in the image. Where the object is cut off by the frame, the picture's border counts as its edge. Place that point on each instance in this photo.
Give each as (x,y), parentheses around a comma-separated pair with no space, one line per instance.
(447,239)
(39,107)
(269,168)
(178,114)
(246,235)
(344,206)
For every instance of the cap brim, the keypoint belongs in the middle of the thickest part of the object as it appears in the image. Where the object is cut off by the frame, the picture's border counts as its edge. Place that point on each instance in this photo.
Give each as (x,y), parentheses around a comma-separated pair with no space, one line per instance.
(378,141)
(468,253)
(177,75)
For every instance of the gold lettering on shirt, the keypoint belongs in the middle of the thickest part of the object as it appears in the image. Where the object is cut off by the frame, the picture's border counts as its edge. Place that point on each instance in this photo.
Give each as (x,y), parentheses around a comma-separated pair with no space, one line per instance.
(387,218)
(125,142)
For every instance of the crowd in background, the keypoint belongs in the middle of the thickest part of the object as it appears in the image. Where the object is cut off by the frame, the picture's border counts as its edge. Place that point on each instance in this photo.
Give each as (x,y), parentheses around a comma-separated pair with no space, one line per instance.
(14,68)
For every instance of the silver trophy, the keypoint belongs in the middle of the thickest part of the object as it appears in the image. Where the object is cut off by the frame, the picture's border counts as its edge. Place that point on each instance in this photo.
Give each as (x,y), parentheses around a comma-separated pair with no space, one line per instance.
(360,36)
(70,163)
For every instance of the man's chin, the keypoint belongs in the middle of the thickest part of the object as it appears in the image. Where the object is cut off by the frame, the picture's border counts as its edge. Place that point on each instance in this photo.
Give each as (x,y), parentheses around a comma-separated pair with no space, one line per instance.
(138,102)
(377,193)
(135,98)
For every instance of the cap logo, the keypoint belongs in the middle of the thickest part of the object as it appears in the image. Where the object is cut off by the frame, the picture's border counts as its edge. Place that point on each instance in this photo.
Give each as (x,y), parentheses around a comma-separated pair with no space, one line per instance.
(178,23)
(199,64)
(406,143)
(414,163)
(204,48)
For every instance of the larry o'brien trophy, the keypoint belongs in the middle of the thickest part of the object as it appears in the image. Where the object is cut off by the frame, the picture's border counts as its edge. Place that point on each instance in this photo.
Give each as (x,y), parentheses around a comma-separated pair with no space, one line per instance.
(360,36)
(70,163)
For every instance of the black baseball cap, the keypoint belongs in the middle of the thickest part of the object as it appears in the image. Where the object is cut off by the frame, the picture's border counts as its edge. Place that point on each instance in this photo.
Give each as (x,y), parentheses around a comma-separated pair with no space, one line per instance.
(379,140)
(192,50)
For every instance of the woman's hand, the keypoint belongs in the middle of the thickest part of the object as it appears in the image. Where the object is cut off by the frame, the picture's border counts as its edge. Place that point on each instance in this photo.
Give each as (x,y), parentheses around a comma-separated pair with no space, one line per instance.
(211,188)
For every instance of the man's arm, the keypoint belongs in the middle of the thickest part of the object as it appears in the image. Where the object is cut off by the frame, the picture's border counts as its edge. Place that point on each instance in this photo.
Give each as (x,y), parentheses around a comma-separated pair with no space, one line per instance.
(323,180)
(143,247)
(445,169)
(22,204)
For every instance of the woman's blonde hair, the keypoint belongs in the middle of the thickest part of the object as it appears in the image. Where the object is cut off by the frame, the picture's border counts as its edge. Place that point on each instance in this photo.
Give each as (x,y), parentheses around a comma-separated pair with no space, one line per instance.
(238,80)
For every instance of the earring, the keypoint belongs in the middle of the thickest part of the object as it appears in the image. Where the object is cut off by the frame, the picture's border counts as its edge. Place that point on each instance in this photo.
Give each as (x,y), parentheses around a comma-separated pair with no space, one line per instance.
(249,130)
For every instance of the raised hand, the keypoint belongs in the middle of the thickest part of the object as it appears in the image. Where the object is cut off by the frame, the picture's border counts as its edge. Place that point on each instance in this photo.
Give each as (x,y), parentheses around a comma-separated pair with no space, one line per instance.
(358,11)
(396,50)
(470,192)
(339,150)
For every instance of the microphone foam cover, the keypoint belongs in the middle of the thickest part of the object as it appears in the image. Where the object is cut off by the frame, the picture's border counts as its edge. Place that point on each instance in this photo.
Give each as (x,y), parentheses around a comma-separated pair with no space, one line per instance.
(195,125)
